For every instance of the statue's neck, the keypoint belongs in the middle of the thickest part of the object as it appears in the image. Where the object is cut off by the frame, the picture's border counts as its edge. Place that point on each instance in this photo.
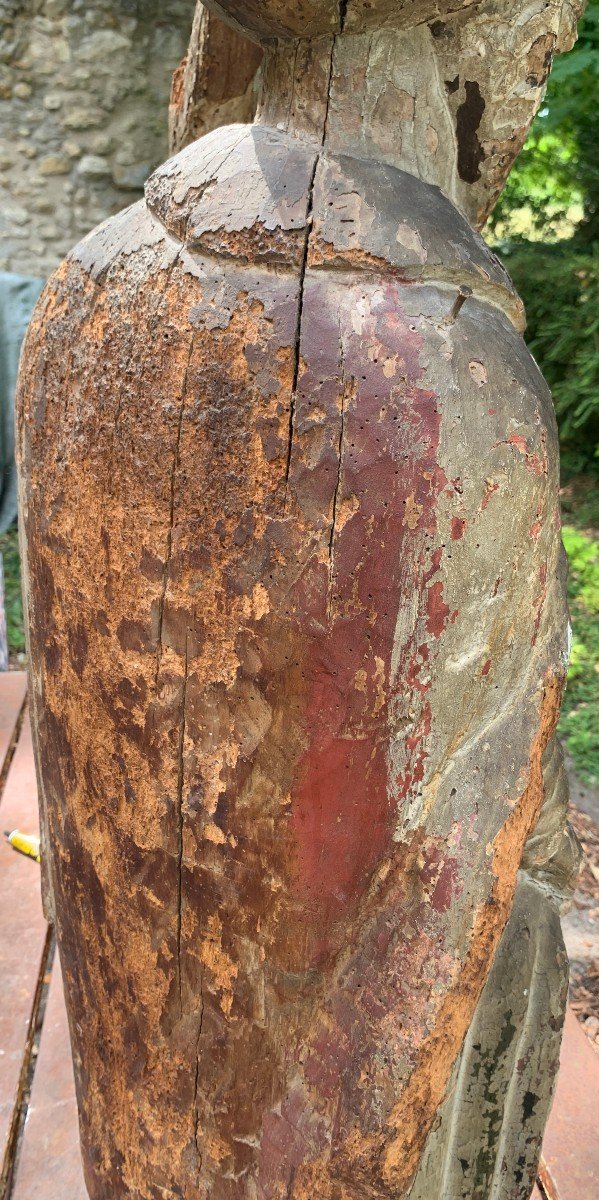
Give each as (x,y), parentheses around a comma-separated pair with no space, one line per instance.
(374,96)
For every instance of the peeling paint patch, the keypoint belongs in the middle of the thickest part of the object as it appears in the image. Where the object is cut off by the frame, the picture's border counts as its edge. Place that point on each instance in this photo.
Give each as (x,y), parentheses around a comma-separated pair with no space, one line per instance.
(438,610)
(478,372)
(410,238)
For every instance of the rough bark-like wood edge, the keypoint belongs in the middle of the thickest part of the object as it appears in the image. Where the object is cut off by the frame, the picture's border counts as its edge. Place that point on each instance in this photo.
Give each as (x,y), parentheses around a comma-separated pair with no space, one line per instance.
(215,82)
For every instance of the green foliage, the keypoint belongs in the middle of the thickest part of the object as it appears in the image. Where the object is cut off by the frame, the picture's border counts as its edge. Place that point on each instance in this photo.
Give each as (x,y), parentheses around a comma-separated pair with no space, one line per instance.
(580,504)
(560,287)
(9,549)
(555,182)
(546,227)
(580,715)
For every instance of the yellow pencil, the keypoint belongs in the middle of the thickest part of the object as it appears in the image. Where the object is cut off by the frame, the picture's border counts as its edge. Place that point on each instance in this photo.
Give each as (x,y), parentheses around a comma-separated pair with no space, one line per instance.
(25,843)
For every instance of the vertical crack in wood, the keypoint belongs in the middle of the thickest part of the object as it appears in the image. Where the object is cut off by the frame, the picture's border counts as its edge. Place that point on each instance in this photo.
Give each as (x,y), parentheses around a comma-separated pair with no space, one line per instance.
(292,92)
(302,281)
(180,778)
(169,537)
(331,550)
(298,325)
(196,1082)
(325,123)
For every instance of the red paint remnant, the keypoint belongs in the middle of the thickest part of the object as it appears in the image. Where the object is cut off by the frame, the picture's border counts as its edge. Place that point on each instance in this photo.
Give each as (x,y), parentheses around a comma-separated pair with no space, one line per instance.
(539,600)
(516,439)
(458,525)
(415,665)
(486,667)
(341,814)
(537,463)
(438,610)
(344,805)
(442,876)
(491,487)
(395,967)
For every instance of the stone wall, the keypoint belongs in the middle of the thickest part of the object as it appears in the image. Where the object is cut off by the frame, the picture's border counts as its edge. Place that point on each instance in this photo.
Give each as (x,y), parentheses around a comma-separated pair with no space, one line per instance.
(84,87)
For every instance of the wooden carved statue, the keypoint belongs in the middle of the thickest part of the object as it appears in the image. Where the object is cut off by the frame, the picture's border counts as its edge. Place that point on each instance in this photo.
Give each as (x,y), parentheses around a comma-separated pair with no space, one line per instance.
(298,633)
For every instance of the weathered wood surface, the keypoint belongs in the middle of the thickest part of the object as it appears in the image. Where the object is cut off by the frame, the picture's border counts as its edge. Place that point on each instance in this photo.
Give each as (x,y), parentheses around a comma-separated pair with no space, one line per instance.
(49,1159)
(215,83)
(296,675)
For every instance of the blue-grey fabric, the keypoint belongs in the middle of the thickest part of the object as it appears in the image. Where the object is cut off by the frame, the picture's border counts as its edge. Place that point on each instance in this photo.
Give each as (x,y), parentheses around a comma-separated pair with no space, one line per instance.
(18,294)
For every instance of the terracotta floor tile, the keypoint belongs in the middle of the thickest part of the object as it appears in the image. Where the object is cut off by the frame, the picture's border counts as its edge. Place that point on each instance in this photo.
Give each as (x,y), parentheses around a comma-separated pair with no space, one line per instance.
(571,1145)
(22,928)
(13,689)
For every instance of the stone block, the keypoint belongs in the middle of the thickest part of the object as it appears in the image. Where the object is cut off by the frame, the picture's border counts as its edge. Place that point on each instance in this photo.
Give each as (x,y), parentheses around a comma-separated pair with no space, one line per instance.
(54,164)
(82,118)
(131,178)
(93,166)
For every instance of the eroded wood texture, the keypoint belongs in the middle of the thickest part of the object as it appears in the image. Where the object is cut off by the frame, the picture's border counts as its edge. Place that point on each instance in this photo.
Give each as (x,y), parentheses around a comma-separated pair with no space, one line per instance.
(215,83)
(298,627)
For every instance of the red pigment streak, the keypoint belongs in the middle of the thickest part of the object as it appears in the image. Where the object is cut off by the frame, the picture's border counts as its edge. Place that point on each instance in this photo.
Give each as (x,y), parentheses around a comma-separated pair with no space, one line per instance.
(447,888)
(487,667)
(539,600)
(438,610)
(535,530)
(458,526)
(378,1011)
(343,804)
(387,1015)
(490,489)
(535,462)
(439,877)
(415,665)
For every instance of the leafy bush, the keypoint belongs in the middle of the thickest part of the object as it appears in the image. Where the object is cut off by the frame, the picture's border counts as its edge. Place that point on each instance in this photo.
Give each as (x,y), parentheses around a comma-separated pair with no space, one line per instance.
(580,715)
(9,549)
(559,284)
(546,228)
(553,189)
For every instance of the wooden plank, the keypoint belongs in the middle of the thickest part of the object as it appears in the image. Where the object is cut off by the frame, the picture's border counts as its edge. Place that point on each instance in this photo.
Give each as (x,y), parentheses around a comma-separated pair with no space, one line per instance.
(13,690)
(49,1165)
(22,939)
(570,1159)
